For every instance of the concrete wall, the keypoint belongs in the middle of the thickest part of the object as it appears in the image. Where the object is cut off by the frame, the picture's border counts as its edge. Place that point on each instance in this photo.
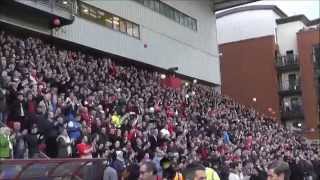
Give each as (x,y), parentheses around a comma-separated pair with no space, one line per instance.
(246,25)
(287,36)
(168,43)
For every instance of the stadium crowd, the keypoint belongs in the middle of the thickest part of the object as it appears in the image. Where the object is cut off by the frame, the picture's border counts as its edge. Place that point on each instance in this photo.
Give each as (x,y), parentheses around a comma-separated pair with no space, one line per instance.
(71,104)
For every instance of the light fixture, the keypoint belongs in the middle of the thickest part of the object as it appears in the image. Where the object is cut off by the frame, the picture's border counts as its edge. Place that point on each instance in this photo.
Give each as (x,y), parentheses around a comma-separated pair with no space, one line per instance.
(254,99)
(193,93)
(162,76)
(85,10)
(299,125)
(195,81)
(186,84)
(65,2)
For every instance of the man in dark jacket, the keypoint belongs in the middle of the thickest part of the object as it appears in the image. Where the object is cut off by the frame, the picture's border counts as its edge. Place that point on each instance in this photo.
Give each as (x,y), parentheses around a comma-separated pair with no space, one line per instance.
(19,111)
(48,130)
(3,102)
(33,139)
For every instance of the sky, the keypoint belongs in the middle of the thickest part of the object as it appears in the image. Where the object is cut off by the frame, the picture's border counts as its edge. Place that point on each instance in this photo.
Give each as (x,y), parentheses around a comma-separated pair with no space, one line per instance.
(310,8)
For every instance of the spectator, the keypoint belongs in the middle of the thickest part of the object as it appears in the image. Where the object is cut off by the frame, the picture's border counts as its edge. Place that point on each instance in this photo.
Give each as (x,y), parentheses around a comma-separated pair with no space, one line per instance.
(278,170)
(110,173)
(211,174)
(19,144)
(235,171)
(124,108)
(5,144)
(84,149)
(19,110)
(148,171)
(64,145)
(3,103)
(194,172)
(33,140)
(119,163)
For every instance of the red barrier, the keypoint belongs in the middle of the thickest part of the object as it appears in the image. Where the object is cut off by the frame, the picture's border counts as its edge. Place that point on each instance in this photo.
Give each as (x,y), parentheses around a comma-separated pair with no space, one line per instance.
(52,168)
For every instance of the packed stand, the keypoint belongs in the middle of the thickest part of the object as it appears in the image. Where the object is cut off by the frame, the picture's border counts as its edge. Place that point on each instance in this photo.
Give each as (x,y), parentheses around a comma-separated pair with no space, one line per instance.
(70,104)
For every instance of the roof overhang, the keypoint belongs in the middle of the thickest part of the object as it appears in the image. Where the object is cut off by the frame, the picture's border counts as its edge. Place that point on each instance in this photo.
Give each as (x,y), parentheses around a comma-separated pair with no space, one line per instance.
(225,4)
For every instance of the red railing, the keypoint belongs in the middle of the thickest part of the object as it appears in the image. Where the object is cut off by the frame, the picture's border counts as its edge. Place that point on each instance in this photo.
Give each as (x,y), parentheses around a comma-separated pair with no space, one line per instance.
(80,169)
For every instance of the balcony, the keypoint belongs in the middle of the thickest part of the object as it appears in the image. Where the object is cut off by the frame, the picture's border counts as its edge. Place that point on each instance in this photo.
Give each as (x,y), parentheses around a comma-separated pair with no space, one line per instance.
(59,8)
(287,63)
(37,11)
(292,112)
(287,88)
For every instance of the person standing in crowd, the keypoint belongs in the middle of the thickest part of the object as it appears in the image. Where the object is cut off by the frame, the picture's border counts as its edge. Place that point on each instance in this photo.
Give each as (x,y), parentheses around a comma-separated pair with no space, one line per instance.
(64,145)
(19,110)
(211,174)
(148,171)
(33,140)
(278,170)
(5,144)
(235,171)
(194,171)
(3,103)
(84,148)
(128,110)
(19,143)
(110,173)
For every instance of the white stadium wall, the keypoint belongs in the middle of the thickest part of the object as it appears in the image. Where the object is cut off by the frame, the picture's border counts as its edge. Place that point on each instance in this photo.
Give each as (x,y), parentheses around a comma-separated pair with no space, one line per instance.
(169,44)
(246,25)
(287,36)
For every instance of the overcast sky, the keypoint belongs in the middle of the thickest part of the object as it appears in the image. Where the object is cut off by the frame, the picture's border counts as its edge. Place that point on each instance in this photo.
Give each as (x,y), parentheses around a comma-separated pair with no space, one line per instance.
(310,8)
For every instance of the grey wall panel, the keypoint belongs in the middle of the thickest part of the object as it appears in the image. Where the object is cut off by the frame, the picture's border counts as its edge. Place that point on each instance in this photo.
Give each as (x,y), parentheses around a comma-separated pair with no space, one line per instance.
(169,44)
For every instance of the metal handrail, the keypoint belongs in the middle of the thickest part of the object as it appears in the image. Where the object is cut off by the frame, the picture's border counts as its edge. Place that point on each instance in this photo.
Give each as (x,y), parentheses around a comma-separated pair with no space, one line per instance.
(289,85)
(286,60)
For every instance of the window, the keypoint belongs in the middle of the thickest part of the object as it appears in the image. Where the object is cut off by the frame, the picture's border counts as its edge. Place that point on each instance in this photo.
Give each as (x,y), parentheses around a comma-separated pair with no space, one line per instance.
(157,6)
(84,9)
(109,20)
(100,14)
(290,57)
(136,31)
(116,24)
(129,28)
(170,12)
(189,24)
(123,27)
(316,53)
(183,20)
(177,16)
(167,11)
(93,13)
(194,25)
(149,3)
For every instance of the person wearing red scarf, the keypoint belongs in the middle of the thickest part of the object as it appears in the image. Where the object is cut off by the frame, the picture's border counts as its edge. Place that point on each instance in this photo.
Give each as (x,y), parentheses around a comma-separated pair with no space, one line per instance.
(84,149)
(31,104)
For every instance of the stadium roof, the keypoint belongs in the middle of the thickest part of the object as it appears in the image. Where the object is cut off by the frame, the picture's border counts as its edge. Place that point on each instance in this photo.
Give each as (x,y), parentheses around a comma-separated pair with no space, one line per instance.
(225,4)
(252,8)
(299,17)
